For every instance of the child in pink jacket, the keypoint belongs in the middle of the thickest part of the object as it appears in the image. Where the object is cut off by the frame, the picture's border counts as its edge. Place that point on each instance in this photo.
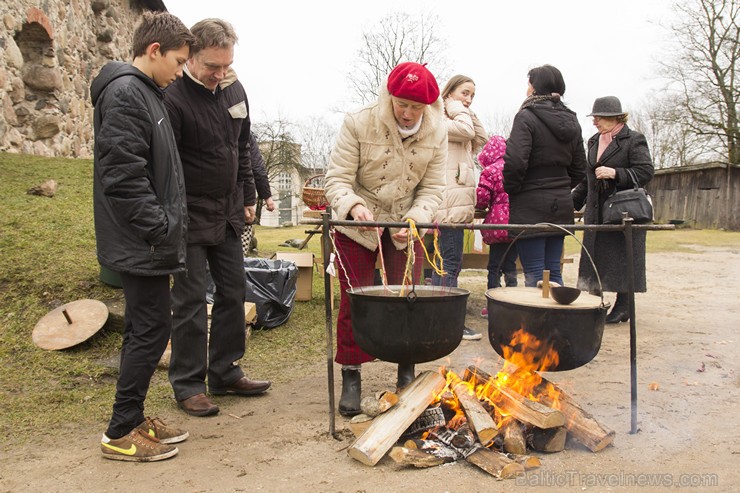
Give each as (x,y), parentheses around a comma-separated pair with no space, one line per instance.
(491,196)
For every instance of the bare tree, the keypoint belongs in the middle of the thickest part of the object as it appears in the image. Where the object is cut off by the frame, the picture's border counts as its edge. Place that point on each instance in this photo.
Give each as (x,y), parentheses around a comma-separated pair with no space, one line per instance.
(396,38)
(497,123)
(669,135)
(280,151)
(704,71)
(316,135)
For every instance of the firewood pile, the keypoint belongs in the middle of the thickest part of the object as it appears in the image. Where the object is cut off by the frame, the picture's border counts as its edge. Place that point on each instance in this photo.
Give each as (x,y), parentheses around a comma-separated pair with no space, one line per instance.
(490,421)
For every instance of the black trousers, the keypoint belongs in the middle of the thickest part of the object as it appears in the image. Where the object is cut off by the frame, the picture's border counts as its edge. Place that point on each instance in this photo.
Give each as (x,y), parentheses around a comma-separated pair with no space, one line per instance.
(196,354)
(147,326)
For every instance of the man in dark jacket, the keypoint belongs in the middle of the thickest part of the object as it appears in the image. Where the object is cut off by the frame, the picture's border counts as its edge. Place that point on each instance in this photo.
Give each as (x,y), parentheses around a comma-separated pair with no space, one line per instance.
(210,118)
(140,221)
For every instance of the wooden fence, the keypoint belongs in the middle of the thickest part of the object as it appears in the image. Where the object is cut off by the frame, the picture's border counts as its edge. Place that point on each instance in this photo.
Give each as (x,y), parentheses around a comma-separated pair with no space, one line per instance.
(702,196)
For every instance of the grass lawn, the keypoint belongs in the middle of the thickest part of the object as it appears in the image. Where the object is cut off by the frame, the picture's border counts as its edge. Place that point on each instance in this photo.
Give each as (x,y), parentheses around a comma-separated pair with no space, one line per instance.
(47,247)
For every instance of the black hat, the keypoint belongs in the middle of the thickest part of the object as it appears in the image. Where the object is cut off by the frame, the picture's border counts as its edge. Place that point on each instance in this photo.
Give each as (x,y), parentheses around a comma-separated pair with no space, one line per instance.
(607,106)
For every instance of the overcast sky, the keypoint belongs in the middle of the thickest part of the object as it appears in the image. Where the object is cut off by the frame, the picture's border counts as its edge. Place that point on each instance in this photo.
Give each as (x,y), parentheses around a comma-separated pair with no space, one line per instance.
(293,56)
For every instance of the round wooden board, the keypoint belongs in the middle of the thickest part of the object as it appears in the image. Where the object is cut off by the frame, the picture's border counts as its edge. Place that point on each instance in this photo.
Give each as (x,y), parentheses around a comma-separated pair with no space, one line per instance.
(54,332)
(533,297)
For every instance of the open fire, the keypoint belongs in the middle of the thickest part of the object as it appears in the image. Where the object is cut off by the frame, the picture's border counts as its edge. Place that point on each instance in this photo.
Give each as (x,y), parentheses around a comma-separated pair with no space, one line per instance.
(491,421)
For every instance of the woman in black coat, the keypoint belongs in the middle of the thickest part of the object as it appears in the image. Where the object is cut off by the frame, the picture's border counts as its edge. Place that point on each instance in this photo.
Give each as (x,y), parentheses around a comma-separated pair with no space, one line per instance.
(613,150)
(544,160)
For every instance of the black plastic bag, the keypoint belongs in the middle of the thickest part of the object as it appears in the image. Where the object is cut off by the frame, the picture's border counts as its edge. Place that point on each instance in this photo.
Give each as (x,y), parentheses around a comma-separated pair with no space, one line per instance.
(271,286)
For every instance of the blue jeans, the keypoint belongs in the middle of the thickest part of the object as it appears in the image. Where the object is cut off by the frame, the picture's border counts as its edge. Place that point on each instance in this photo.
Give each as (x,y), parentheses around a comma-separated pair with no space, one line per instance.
(538,254)
(508,266)
(451,246)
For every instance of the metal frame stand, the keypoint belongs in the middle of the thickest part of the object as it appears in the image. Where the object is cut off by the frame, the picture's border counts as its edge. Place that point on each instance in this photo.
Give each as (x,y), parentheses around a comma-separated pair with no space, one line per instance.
(627,227)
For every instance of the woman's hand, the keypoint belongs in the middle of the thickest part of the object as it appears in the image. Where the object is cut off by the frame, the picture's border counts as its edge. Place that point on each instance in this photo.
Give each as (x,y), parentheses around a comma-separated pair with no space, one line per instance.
(605,173)
(402,236)
(362,213)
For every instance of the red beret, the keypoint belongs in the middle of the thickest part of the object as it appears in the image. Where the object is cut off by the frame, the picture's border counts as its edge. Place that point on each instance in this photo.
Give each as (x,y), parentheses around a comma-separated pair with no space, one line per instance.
(413,81)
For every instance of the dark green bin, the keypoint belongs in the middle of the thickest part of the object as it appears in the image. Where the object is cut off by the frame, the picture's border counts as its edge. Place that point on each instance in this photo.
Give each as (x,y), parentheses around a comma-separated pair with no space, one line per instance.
(110,277)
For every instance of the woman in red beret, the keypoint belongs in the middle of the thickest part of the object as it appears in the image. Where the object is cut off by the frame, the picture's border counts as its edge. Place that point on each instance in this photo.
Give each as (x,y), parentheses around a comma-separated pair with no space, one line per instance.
(388,165)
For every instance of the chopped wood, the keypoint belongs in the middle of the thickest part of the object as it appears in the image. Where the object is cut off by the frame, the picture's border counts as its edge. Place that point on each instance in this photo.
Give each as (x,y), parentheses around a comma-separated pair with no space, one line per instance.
(387,428)
(414,457)
(526,410)
(518,406)
(495,464)
(514,440)
(250,313)
(416,443)
(478,418)
(358,424)
(580,424)
(430,418)
(378,404)
(549,440)
(528,461)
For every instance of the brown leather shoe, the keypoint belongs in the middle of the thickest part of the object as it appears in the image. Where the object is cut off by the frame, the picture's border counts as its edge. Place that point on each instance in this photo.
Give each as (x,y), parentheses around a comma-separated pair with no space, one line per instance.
(198,405)
(243,386)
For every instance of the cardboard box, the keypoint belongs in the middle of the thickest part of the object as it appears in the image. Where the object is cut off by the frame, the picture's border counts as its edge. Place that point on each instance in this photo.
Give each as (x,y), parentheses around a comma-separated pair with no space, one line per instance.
(304,262)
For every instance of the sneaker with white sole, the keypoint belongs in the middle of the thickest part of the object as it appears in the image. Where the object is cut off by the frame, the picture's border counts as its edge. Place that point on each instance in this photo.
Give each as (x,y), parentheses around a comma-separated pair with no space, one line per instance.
(484,313)
(471,335)
(137,446)
(157,428)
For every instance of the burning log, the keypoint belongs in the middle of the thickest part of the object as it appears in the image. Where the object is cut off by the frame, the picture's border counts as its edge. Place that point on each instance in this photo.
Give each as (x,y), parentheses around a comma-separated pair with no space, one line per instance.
(478,418)
(414,457)
(579,423)
(549,440)
(387,428)
(378,404)
(514,441)
(524,409)
(495,464)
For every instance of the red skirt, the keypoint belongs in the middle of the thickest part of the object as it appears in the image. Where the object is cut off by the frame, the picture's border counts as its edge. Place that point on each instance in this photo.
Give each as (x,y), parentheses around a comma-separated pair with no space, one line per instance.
(359,262)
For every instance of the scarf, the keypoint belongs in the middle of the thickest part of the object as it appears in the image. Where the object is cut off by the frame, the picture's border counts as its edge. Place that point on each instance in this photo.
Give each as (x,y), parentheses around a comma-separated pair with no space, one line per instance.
(534,98)
(408,132)
(606,138)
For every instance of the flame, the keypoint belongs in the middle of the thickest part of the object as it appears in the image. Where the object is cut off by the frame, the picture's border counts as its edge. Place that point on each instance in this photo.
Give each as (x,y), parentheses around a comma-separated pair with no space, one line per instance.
(527,352)
(524,356)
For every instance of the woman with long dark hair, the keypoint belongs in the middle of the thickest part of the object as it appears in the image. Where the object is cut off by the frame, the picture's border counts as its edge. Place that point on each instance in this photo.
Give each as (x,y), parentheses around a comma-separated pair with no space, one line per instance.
(544,160)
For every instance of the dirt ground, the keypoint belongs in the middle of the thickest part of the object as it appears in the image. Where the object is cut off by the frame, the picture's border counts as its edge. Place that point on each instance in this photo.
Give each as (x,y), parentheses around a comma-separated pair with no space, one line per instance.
(687,326)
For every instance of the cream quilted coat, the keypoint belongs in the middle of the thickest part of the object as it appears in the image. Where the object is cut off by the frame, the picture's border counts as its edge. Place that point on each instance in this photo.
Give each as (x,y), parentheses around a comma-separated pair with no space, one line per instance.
(396,180)
(465,135)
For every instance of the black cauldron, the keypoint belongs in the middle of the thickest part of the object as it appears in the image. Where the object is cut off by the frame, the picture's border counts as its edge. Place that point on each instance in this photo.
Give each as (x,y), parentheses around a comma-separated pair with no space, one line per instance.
(424,324)
(574,330)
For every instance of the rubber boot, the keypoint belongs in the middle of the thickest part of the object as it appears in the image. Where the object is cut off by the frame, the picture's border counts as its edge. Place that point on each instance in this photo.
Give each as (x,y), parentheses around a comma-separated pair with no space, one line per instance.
(621,311)
(406,375)
(349,403)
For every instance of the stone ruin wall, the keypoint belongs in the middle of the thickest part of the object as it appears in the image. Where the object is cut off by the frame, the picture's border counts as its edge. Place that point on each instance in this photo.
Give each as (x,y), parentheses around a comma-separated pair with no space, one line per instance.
(50,50)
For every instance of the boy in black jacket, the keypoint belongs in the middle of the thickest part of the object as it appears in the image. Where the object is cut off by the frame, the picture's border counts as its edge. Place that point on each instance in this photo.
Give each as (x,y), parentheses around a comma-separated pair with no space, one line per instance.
(140,221)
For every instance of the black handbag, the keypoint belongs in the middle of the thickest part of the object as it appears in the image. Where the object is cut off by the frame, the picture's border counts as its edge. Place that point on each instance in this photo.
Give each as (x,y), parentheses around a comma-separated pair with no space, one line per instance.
(635,201)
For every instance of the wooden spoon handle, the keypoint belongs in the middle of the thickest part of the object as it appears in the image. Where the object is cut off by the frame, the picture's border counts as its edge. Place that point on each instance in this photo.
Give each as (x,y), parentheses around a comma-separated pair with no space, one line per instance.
(545,283)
